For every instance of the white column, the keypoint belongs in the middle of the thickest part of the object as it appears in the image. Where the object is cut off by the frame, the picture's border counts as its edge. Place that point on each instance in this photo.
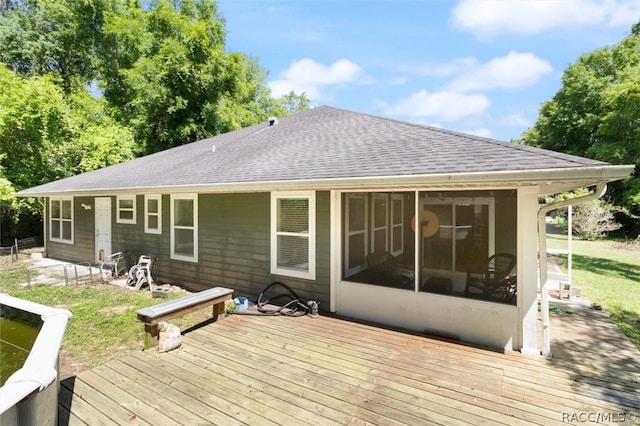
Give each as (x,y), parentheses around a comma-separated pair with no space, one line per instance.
(528,270)
(335,253)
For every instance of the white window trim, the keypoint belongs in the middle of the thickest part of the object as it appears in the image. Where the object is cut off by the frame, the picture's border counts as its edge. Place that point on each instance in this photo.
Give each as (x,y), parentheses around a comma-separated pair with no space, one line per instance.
(385,227)
(349,234)
(118,209)
(194,198)
(393,226)
(148,197)
(61,240)
(455,201)
(310,274)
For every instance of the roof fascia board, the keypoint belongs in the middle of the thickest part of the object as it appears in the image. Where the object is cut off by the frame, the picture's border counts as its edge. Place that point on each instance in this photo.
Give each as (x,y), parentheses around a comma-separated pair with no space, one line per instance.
(593,175)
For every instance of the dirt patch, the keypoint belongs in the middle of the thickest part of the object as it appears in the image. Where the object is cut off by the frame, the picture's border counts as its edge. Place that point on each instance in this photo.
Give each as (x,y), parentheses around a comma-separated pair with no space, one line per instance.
(629,246)
(114,310)
(68,366)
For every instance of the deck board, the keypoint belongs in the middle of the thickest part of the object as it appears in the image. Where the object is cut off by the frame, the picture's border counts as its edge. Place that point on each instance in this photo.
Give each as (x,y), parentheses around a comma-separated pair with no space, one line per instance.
(269,370)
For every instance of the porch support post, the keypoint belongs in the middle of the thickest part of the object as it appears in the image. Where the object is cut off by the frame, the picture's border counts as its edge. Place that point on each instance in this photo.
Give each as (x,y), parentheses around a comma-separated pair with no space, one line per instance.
(600,190)
(528,270)
(335,248)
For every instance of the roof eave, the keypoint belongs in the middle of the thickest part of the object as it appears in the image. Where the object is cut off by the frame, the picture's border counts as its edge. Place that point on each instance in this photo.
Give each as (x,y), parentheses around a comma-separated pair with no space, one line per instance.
(549,180)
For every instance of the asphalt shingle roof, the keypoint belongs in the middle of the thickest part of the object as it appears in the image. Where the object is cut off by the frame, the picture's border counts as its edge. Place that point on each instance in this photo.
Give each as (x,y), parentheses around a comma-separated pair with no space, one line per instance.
(322,143)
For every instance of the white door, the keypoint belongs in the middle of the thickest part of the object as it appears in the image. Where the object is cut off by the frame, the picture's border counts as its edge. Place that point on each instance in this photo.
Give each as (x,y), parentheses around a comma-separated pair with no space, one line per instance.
(103,226)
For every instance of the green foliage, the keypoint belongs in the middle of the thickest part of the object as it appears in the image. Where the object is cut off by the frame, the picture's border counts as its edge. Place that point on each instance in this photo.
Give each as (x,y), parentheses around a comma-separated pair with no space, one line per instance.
(165,69)
(596,113)
(45,135)
(103,324)
(33,121)
(51,37)
(159,73)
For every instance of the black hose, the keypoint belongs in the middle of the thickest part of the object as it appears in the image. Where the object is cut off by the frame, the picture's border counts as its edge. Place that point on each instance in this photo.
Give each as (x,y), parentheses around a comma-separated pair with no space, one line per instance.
(293,306)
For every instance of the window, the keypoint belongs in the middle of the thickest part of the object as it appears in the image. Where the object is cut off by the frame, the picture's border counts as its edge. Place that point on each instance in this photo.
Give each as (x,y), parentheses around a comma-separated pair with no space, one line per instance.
(61,220)
(397,224)
(465,234)
(293,246)
(153,214)
(184,227)
(355,232)
(126,209)
(379,220)
(378,248)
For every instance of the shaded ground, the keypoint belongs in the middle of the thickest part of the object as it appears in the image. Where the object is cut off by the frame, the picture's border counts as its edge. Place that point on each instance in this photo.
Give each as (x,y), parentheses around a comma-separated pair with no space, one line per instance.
(583,338)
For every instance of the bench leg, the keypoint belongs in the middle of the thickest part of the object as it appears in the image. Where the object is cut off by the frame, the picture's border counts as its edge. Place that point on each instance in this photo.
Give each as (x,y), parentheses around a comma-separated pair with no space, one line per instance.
(218,311)
(150,336)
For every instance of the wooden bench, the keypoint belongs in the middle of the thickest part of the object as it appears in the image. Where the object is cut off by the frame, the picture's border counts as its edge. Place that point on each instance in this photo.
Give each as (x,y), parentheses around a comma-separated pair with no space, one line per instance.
(153,315)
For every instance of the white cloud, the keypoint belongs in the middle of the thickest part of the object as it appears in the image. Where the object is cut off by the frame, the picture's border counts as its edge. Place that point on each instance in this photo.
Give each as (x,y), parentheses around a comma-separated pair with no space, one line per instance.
(447,69)
(490,17)
(306,75)
(516,119)
(481,131)
(445,106)
(514,71)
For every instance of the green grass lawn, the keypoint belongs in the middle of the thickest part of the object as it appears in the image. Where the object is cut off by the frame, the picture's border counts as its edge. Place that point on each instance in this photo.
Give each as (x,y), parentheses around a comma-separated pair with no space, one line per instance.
(609,274)
(104,323)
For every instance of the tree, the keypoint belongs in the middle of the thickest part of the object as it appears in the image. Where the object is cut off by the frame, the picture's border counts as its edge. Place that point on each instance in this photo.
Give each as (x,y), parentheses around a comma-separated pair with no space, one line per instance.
(165,69)
(40,37)
(161,65)
(164,78)
(45,136)
(32,122)
(596,114)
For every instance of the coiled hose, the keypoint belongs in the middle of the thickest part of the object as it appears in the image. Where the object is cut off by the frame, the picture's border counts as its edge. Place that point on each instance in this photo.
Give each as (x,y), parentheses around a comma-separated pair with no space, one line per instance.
(293,307)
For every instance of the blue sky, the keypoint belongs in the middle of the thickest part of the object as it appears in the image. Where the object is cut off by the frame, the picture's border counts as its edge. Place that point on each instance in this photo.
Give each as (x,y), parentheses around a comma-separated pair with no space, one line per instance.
(481,67)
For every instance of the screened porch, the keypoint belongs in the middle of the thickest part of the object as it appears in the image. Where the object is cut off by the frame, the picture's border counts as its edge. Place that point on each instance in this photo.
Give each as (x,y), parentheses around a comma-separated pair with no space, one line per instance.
(453,243)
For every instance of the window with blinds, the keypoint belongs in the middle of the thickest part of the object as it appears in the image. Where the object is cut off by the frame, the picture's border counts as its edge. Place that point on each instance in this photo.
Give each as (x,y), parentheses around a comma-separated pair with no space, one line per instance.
(293,234)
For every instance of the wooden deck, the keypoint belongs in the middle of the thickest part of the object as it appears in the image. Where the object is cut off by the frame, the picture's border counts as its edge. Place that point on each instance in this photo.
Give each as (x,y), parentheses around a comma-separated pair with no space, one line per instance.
(261,370)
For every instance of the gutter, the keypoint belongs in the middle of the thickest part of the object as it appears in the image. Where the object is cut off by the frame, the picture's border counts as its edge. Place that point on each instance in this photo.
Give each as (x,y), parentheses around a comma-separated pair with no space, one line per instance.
(600,190)
(575,177)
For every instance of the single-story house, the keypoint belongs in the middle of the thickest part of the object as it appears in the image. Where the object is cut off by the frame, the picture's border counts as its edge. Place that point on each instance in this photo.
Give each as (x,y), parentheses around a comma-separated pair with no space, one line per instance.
(374,218)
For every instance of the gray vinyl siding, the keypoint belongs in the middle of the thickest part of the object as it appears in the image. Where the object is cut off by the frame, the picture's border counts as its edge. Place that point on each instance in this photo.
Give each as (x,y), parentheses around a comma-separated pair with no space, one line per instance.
(234,244)
(82,249)
(132,238)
